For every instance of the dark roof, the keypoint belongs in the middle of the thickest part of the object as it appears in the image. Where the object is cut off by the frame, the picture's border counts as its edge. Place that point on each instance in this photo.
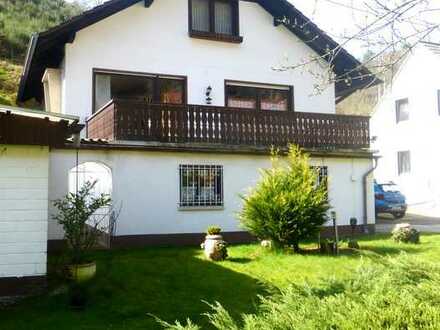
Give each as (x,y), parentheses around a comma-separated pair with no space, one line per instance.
(25,127)
(46,49)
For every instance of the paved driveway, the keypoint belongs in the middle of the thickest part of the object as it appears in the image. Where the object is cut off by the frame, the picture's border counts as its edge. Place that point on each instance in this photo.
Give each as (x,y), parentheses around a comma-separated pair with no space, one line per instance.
(386,223)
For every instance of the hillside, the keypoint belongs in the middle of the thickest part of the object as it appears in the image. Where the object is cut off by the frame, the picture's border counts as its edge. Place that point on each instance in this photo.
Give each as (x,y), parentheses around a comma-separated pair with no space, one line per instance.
(18,20)
(9,79)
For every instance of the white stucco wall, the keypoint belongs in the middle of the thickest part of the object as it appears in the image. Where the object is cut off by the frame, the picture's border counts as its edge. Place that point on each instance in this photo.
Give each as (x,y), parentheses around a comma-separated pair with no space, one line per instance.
(155,40)
(24,174)
(146,185)
(418,81)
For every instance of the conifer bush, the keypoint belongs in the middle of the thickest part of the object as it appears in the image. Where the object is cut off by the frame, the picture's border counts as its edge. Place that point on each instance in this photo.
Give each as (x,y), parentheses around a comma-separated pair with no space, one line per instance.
(288,204)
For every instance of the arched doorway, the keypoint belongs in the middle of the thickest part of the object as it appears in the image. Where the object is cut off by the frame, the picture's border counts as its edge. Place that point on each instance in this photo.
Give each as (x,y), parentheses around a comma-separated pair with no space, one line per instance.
(101,175)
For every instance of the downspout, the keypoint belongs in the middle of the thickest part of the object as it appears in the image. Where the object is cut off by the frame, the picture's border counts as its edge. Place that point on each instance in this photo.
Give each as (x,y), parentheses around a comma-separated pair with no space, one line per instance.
(365,194)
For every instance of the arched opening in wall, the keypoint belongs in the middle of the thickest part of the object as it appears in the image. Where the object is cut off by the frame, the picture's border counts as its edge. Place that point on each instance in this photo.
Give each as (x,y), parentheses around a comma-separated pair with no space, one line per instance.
(101,176)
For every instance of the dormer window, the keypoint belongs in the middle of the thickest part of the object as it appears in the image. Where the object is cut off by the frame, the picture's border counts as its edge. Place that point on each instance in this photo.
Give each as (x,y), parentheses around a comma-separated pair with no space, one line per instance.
(214,20)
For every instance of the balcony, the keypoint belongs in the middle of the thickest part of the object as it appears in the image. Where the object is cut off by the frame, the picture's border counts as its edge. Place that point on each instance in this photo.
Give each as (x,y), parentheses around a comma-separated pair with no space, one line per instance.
(128,121)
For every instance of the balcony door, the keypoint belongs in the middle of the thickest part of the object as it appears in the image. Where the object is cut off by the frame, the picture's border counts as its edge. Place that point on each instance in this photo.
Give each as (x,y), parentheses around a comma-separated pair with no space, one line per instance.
(138,87)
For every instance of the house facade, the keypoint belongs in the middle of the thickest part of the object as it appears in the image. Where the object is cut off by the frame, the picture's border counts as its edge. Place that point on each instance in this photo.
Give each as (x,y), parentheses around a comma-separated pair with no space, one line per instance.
(405,120)
(182,103)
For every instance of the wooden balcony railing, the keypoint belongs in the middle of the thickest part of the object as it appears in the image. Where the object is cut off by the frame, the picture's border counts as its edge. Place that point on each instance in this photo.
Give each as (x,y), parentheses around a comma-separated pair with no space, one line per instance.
(135,121)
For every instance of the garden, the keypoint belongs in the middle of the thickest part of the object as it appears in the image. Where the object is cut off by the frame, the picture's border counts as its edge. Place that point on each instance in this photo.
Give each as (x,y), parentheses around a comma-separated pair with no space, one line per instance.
(286,280)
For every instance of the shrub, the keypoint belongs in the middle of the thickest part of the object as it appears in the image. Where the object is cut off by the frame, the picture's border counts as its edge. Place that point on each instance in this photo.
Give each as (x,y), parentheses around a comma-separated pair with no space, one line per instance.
(213,230)
(398,293)
(287,205)
(76,214)
(403,233)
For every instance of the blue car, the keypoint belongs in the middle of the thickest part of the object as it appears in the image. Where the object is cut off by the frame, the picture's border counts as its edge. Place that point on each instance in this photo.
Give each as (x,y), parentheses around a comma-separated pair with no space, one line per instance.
(389,200)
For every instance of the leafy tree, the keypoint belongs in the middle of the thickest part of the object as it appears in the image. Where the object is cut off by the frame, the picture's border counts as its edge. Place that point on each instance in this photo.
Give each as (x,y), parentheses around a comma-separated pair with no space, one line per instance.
(288,204)
(20,18)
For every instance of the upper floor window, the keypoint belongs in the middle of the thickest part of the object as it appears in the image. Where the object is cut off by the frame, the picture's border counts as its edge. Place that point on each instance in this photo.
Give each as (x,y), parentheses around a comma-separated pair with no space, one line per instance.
(258,96)
(403,162)
(214,19)
(402,110)
(148,88)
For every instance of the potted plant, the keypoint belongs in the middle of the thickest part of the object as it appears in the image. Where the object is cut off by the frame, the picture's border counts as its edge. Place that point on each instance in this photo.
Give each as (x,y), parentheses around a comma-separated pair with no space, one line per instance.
(82,228)
(214,246)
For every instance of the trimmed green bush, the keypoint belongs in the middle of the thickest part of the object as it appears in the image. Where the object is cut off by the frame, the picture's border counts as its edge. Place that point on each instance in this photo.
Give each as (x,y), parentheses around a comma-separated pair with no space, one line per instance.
(287,205)
(398,293)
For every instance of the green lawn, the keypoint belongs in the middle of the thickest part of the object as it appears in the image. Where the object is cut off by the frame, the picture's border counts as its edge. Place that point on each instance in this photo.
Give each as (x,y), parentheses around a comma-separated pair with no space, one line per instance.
(172,283)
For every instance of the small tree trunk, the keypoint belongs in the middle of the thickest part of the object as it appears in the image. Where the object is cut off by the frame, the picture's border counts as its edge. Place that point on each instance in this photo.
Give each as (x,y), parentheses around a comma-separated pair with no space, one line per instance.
(296,248)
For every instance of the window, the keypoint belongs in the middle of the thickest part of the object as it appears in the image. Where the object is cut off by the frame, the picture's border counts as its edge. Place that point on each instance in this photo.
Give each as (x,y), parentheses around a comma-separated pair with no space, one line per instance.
(137,87)
(259,97)
(201,186)
(404,162)
(322,175)
(214,19)
(402,110)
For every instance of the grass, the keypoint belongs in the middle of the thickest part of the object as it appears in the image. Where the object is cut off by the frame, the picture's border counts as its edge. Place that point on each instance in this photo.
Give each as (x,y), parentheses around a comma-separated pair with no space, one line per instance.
(172,284)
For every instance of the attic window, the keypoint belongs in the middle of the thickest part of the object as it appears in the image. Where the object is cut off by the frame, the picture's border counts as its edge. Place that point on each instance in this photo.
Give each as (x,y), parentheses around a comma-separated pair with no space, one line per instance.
(214,20)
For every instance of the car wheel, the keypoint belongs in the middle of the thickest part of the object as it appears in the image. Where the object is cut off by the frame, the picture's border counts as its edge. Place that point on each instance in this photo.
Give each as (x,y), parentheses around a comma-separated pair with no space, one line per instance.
(398,215)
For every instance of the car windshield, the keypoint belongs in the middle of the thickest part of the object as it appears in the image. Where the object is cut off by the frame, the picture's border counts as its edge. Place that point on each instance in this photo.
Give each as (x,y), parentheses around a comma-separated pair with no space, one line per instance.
(390,188)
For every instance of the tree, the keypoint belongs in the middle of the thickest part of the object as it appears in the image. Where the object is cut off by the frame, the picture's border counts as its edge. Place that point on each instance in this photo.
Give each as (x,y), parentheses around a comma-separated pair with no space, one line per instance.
(288,204)
(19,19)
(382,26)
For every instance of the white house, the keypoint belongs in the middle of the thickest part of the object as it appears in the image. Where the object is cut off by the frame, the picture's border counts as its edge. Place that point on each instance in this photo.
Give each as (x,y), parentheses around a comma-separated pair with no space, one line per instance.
(406,124)
(182,105)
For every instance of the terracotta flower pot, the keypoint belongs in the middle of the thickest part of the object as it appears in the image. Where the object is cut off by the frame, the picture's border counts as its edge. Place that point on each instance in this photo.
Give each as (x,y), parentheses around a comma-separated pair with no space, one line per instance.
(83,272)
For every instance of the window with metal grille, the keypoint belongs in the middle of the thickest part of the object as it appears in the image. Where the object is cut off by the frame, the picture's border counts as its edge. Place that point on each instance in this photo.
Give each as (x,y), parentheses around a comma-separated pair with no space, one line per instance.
(322,172)
(403,162)
(402,110)
(201,185)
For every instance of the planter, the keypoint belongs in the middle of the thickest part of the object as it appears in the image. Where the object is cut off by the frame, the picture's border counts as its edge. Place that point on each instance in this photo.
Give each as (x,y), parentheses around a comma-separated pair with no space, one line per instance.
(83,272)
(215,247)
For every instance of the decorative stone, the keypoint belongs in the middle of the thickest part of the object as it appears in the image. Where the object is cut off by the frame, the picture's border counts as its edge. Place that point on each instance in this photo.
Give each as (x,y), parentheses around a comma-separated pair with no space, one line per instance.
(215,248)
(266,244)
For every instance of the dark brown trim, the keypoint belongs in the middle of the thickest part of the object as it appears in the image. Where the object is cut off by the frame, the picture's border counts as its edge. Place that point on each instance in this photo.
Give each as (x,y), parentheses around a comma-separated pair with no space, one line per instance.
(195,239)
(155,76)
(255,84)
(216,37)
(176,239)
(214,148)
(212,34)
(21,286)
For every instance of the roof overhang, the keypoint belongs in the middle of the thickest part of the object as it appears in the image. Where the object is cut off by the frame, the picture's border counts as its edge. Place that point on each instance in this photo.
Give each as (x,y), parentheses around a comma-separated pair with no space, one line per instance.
(46,49)
(32,127)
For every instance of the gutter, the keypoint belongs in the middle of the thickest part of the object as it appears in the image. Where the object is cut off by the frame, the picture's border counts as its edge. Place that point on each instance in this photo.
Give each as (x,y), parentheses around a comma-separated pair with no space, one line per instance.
(365,193)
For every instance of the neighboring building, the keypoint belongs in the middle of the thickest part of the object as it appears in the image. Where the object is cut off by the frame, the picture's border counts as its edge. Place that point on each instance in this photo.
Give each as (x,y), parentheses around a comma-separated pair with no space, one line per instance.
(405,123)
(182,107)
